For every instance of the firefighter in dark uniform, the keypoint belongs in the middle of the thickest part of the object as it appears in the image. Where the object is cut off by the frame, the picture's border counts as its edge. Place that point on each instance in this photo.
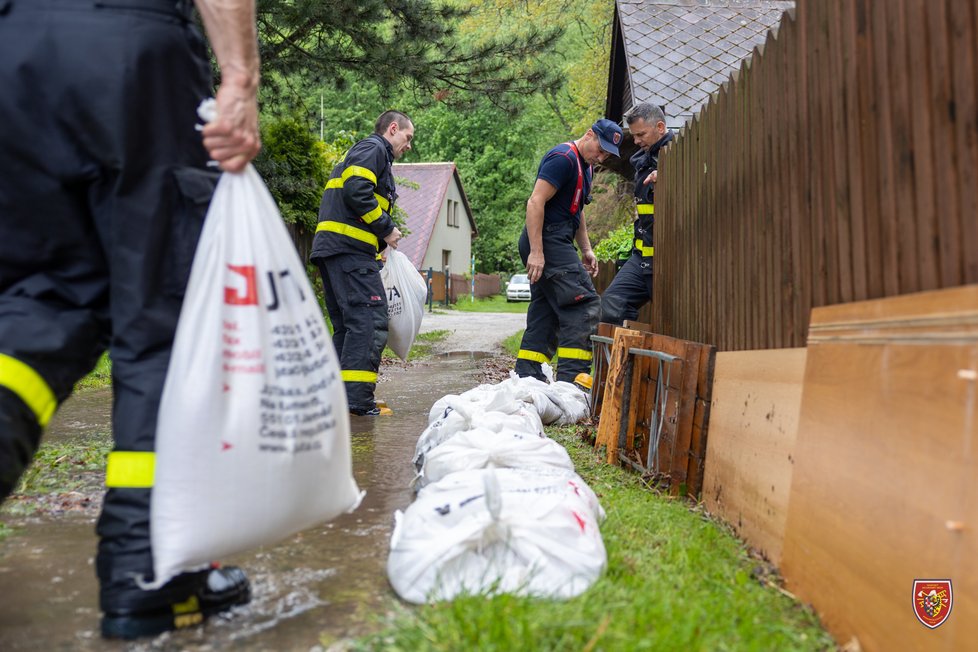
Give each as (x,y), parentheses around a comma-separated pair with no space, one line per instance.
(355,225)
(632,286)
(104,189)
(564,307)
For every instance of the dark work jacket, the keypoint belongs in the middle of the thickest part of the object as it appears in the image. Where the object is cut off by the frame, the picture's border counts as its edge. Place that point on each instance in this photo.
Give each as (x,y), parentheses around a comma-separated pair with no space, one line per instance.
(354,215)
(645,162)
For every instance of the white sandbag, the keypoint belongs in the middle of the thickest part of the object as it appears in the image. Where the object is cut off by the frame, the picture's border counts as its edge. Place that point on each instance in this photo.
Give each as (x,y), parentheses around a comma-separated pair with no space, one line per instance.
(572,401)
(536,393)
(460,416)
(253,436)
(487,398)
(475,535)
(531,481)
(406,295)
(481,448)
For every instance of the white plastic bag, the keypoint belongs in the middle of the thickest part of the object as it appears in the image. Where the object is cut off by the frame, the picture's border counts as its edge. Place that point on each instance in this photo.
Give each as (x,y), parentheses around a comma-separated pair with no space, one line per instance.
(406,294)
(497,531)
(253,438)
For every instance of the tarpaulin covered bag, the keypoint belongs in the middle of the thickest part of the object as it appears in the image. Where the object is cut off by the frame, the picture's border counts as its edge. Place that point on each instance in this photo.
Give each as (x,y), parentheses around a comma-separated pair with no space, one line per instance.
(406,294)
(253,439)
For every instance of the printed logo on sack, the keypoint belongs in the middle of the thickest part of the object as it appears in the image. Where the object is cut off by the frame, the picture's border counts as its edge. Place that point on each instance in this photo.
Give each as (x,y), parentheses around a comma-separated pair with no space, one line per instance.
(932,601)
(242,288)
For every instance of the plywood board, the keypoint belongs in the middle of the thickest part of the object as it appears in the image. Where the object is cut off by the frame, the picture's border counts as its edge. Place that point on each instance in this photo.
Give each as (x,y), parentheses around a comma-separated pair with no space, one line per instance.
(753,423)
(885,482)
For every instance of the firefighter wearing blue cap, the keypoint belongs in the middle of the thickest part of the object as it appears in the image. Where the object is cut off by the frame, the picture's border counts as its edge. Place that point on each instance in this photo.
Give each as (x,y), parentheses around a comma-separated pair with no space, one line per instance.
(632,286)
(564,307)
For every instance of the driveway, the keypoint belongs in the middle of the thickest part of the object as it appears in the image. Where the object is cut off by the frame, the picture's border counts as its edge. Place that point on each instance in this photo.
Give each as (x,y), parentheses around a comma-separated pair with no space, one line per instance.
(472,331)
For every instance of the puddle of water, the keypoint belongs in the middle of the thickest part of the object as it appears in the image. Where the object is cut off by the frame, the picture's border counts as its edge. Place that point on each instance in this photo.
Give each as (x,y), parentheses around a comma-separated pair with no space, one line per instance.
(327,581)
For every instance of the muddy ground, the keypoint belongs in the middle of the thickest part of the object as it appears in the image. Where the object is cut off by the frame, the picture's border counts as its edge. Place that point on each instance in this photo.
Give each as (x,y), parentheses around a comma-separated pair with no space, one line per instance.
(312,591)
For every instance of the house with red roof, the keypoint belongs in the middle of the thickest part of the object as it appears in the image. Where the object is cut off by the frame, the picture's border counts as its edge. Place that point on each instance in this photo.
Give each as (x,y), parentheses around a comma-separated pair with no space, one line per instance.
(439,217)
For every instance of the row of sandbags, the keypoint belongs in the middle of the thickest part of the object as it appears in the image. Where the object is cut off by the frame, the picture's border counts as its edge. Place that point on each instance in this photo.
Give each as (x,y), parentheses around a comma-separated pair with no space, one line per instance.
(499,507)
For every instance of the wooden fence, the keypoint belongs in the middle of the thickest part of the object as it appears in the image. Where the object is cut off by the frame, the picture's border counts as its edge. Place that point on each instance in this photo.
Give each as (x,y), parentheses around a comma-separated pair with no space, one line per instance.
(486,285)
(839,164)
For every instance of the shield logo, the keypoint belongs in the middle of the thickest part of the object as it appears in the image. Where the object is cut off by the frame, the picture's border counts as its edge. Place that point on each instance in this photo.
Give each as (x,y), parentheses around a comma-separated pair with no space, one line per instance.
(932,601)
(616,138)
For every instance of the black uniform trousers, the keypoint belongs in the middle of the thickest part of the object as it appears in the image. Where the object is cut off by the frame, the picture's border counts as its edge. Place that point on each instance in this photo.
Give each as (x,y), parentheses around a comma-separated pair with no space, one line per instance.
(561,317)
(103,192)
(629,291)
(357,306)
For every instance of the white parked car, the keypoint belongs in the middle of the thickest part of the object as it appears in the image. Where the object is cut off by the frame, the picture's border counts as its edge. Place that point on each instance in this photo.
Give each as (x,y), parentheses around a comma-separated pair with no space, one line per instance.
(518,288)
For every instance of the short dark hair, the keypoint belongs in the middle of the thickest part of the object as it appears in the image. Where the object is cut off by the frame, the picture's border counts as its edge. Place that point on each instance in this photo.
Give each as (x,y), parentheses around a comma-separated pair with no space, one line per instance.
(389,116)
(650,113)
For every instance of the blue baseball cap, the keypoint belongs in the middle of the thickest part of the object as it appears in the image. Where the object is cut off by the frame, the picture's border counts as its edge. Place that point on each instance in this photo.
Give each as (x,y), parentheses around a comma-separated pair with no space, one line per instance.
(609,135)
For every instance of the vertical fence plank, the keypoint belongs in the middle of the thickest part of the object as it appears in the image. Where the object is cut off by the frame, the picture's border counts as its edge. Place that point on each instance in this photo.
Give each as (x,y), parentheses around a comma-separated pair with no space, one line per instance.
(923,220)
(963,35)
(839,107)
(869,148)
(824,277)
(901,135)
(880,19)
(940,106)
(851,65)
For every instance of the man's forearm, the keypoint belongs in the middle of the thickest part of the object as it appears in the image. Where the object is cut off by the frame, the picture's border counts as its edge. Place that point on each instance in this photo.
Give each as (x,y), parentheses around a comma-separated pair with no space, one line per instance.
(230,26)
(534,225)
(583,241)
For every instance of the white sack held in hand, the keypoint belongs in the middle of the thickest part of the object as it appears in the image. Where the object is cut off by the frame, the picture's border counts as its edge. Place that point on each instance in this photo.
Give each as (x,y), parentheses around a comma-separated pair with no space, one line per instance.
(406,294)
(253,438)
(496,531)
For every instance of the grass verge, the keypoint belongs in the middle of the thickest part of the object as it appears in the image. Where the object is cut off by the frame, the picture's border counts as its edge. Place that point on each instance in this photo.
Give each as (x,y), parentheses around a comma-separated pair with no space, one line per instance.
(100,376)
(495,303)
(422,345)
(675,581)
(64,465)
(512,343)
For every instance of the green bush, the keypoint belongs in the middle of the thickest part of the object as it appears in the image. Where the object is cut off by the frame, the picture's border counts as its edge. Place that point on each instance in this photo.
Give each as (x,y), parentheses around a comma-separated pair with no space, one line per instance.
(617,245)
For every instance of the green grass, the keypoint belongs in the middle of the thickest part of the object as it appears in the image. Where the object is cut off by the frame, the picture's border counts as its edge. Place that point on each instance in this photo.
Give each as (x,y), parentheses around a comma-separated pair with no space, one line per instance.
(675,581)
(512,343)
(63,466)
(495,303)
(100,376)
(422,345)
(5,531)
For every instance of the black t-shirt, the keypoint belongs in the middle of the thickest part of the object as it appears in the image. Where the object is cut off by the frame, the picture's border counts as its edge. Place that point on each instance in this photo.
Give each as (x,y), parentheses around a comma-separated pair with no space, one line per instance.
(559,168)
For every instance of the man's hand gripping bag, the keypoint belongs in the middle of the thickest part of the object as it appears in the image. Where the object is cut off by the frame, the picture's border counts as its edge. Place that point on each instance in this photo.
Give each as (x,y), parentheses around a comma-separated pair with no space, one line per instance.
(253,440)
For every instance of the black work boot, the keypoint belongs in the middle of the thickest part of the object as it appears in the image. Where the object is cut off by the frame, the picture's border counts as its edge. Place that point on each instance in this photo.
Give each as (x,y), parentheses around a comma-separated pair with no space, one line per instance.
(185,601)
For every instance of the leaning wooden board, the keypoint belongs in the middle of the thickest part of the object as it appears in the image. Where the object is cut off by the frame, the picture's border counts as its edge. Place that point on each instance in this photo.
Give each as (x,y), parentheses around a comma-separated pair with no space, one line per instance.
(885,482)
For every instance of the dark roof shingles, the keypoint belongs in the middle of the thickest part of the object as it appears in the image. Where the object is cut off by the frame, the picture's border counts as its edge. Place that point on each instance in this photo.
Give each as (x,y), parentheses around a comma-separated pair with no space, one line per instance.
(680,51)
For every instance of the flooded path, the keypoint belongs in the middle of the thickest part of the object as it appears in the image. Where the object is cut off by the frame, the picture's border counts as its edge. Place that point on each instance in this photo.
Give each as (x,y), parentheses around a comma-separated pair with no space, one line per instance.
(322,585)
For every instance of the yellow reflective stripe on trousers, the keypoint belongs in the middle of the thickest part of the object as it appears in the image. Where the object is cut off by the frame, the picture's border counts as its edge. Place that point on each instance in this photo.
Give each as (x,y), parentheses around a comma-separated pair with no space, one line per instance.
(352,376)
(645,209)
(372,215)
(26,383)
(357,171)
(349,231)
(130,469)
(533,356)
(645,251)
(577,354)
